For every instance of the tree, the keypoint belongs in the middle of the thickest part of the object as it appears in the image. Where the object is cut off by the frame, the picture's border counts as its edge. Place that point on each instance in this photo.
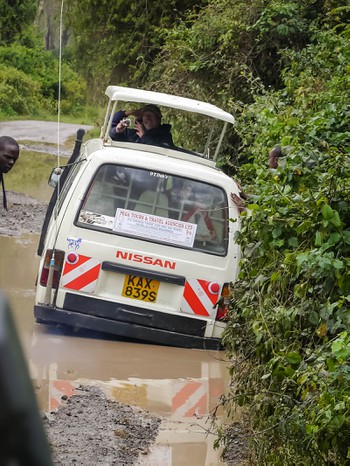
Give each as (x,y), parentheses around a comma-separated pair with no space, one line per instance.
(232,50)
(117,42)
(15,16)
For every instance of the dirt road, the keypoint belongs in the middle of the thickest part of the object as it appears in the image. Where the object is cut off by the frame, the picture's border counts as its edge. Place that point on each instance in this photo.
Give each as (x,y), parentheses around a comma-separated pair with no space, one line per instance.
(90,427)
(40,131)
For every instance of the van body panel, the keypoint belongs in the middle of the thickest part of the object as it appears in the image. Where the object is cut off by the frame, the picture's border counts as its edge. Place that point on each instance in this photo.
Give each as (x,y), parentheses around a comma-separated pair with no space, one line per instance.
(146,244)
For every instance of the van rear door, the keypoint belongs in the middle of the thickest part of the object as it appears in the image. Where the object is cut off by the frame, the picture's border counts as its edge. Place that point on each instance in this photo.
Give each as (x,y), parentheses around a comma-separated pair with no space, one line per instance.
(148,248)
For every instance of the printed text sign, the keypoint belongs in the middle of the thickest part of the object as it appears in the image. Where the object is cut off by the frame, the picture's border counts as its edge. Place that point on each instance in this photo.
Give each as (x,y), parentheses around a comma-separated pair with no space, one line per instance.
(154,227)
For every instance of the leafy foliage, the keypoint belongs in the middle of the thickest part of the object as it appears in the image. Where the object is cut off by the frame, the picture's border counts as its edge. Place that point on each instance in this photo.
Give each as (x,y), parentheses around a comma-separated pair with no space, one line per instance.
(117,42)
(29,80)
(291,304)
(227,49)
(19,94)
(15,16)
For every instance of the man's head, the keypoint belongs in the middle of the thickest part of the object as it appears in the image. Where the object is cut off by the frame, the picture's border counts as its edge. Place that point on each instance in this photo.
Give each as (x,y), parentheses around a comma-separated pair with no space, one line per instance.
(151,116)
(9,153)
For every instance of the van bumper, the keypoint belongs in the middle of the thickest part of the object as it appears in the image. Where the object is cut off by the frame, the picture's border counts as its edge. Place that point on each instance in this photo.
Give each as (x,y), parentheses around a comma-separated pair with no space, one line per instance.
(52,315)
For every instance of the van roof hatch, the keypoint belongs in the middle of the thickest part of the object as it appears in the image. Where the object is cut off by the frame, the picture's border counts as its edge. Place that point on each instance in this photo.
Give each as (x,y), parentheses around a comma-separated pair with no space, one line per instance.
(128,94)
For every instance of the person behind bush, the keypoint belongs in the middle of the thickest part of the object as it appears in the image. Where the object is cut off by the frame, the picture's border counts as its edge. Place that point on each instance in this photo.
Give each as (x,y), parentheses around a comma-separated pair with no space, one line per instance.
(9,153)
(148,127)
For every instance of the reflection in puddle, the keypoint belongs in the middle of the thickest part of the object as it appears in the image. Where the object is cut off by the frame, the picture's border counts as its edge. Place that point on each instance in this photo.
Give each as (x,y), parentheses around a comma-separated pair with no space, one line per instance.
(179,385)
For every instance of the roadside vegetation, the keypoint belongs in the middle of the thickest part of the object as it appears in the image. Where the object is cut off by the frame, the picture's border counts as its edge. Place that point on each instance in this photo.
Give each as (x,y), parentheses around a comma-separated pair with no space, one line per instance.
(29,73)
(289,326)
(282,68)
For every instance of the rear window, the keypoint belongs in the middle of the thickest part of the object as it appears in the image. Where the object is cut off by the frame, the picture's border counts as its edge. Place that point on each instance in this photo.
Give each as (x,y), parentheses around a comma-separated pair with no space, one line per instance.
(157,207)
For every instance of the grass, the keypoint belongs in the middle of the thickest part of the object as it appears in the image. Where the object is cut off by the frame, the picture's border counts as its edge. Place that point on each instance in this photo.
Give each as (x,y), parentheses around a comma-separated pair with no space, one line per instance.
(30,175)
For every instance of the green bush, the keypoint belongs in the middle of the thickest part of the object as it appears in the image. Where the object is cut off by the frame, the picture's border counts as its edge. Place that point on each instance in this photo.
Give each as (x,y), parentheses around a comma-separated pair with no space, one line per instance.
(32,86)
(291,305)
(19,93)
(15,16)
(73,91)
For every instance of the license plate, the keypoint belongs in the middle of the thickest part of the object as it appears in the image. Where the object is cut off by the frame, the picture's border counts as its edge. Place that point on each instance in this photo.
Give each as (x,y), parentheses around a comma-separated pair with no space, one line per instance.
(141,288)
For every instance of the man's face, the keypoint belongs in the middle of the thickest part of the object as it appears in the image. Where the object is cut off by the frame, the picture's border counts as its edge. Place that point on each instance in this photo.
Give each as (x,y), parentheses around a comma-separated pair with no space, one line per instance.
(8,157)
(150,120)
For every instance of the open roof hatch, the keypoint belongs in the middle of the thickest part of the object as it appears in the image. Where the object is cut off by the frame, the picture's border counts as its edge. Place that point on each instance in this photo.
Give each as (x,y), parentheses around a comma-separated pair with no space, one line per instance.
(127,94)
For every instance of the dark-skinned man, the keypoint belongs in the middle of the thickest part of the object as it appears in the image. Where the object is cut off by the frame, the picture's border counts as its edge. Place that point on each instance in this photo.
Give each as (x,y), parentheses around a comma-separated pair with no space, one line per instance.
(9,153)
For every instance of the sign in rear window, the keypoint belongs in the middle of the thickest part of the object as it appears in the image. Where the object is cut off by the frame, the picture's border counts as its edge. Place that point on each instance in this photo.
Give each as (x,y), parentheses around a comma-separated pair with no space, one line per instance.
(149,226)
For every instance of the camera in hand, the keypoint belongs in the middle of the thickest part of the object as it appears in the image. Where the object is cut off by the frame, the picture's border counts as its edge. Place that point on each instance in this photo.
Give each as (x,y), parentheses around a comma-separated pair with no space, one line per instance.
(129,121)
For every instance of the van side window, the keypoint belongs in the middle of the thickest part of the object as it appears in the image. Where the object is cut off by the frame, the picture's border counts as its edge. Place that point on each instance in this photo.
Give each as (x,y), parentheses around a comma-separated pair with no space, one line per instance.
(115,189)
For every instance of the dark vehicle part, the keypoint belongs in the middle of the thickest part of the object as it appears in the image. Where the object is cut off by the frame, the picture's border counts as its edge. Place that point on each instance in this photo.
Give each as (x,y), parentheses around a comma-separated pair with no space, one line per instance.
(22,436)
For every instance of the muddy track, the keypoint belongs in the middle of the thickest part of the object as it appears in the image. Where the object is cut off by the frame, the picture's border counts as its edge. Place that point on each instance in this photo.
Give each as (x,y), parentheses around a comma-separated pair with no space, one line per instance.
(25,215)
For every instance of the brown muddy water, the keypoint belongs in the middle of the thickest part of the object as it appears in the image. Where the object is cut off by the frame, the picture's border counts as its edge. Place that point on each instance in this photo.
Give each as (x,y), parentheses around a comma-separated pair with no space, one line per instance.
(181,386)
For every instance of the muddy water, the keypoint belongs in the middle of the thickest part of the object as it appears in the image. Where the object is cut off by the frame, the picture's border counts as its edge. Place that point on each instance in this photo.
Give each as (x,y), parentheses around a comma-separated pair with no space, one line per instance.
(182,386)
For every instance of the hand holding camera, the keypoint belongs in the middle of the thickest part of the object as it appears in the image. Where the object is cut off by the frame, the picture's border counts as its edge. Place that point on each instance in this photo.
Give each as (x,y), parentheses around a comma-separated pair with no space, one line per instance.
(125,123)
(129,121)
(132,120)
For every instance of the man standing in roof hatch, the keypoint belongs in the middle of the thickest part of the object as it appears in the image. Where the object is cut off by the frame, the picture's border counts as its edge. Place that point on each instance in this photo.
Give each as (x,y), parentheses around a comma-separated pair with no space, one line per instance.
(148,127)
(9,153)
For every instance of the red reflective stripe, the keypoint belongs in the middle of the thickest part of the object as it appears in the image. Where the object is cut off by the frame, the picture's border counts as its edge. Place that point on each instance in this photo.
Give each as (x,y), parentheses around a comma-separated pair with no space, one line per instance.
(204,284)
(193,301)
(184,393)
(84,279)
(195,409)
(69,267)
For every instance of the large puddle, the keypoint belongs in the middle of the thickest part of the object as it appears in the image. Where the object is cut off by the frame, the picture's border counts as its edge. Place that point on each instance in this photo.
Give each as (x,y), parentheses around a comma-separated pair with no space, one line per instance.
(182,386)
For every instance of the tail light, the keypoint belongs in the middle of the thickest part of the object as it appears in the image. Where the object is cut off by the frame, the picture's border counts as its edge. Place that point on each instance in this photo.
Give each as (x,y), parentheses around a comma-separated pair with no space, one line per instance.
(223,303)
(54,260)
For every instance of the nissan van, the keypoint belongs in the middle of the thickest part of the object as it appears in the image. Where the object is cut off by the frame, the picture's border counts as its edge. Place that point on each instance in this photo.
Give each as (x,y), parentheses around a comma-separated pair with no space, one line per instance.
(139,240)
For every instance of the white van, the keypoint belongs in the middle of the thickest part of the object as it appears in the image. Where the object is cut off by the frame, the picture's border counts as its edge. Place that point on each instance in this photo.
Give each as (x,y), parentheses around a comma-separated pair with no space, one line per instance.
(139,240)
